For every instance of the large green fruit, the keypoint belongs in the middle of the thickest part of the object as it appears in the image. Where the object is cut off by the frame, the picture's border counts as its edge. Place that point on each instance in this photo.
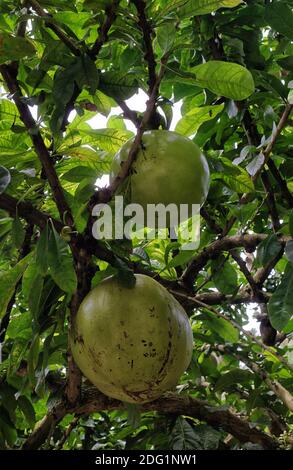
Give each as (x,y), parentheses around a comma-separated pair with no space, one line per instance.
(133,344)
(169,168)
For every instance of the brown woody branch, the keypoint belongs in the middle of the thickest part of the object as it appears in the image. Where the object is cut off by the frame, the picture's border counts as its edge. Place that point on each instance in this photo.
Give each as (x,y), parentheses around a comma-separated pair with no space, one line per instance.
(27,211)
(248,241)
(111,13)
(201,304)
(282,123)
(49,22)
(10,77)
(147,32)
(278,389)
(171,403)
(287,196)
(105,195)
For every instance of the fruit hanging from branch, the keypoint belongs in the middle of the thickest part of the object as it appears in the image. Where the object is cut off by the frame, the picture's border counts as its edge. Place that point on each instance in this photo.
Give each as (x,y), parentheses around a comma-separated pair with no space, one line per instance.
(134,343)
(169,169)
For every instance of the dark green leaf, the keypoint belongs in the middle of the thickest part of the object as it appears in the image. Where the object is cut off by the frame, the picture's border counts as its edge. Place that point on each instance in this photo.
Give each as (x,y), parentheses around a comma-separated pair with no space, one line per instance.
(268,249)
(289,250)
(221,327)
(14,48)
(5,179)
(61,263)
(280,17)
(18,232)
(118,86)
(8,280)
(232,378)
(224,276)
(42,252)
(183,436)
(28,410)
(280,306)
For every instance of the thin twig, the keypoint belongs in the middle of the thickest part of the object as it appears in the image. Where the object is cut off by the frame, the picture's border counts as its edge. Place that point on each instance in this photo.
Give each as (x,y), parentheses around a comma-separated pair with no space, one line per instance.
(111,13)
(235,324)
(273,385)
(54,27)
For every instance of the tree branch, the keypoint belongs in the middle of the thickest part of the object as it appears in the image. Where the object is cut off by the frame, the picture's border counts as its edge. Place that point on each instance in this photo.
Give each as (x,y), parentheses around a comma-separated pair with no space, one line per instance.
(27,211)
(287,196)
(235,324)
(147,32)
(268,150)
(51,24)
(278,389)
(170,403)
(9,75)
(248,241)
(106,194)
(111,13)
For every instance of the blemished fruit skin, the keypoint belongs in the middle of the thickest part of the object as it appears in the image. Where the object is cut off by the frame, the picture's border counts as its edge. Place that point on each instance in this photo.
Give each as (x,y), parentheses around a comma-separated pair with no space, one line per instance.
(169,168)
(134,343)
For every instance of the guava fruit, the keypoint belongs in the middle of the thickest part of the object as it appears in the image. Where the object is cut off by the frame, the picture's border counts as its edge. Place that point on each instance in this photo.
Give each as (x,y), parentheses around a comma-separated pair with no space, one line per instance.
(169,169)
(134,343)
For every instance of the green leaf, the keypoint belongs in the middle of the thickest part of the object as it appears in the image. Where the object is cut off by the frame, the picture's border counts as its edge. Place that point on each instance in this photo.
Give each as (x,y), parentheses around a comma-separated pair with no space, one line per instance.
(233,377)
(221,327)
(14,48)
(268,249)
(118,86)
(61,263)
(42,252)
(291,222)
(20,326)
(110,140)
(189,8)
(102,102)
(27,409)
(18,232)
(165,36)
(78,173)
(35,295)
(33,357)
(183,436)
(280,17)
(280,307)
(240,183)
(224,276)
(8,280)
(192,120)
(5,179)
(225,79)
(181,259)
(289,250)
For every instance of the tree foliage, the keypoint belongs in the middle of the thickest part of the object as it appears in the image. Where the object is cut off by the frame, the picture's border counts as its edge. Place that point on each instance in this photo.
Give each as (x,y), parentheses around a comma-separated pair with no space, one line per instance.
(229,64)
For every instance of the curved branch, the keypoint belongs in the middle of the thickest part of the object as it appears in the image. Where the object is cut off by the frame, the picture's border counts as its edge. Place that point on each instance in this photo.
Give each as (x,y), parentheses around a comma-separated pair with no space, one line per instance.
(248,241)
(93,401)
(50,24)
(9,76)
(27,211)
